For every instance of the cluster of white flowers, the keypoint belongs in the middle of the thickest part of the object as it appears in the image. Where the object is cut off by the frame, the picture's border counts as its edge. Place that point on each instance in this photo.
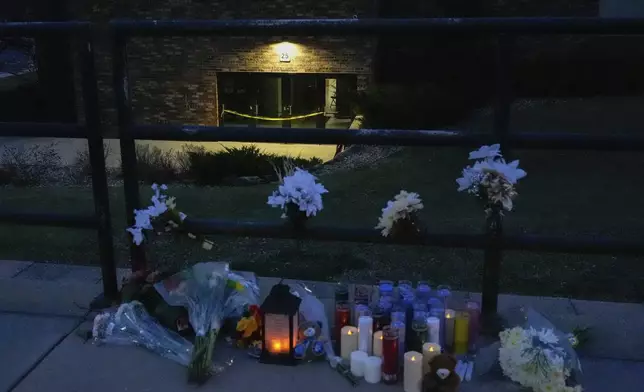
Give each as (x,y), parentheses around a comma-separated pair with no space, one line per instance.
(534,359)
(301,190)
(402,207)
(491,178)
(161,203)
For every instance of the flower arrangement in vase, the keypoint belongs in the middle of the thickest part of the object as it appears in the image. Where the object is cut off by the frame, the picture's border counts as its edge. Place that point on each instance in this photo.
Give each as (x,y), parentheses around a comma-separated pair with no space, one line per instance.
(299,196)
(400,216)
(491,179)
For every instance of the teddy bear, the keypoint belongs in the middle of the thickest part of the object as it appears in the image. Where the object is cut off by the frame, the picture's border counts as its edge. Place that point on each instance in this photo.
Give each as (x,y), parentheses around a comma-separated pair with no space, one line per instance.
(442,375)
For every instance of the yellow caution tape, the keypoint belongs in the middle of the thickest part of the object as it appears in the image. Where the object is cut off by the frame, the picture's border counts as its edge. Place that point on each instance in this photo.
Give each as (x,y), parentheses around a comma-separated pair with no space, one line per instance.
(272,118)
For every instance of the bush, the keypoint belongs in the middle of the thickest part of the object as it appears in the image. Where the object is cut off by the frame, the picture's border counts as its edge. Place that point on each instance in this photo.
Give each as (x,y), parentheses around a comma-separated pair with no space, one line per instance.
(155,165)
(35,165)
(81,169)
(219,167)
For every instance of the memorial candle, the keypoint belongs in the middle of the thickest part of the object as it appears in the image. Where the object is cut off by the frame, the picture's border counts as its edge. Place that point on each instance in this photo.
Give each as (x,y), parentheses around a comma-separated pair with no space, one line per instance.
(365,334)
(357,363)
(461,332)
(433,329)
(419,335)
(360,310)
(474,310)
(342,318)
(348,341)
(373,370)
(449,327)
(380,319)
(413,372)
(430,350)
(390,355)
(400,327)
(377,344)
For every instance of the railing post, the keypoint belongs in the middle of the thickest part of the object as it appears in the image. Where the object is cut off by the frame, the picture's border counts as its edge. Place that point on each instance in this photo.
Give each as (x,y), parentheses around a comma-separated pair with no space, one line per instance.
(122,92)
(494,223)
(99,173)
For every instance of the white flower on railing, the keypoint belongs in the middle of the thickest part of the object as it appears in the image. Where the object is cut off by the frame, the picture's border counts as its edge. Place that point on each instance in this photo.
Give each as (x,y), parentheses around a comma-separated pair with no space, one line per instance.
(301,192)
(491,178)
(402,209)
(163,208)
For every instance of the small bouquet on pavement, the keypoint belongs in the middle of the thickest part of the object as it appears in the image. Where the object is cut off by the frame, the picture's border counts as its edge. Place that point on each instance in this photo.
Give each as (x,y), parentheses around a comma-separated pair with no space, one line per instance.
(130,324)
(534,354)
(211,293)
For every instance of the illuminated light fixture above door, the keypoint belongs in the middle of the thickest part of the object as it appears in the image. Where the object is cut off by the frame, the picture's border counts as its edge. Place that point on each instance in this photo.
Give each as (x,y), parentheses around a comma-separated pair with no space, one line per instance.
(286,51)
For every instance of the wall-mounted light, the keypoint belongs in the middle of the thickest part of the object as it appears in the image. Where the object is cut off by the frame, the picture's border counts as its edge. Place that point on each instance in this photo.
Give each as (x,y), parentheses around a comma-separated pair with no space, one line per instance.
(286,51)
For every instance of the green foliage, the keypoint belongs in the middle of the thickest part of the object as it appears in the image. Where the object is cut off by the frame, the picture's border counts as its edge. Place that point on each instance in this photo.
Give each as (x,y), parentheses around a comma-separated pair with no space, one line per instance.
(218,167)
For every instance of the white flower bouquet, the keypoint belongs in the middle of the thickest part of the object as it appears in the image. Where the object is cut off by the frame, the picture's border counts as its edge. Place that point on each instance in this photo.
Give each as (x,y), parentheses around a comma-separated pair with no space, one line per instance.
(535,355)
(162,212)
(491,178)
(299,196)
(399,217)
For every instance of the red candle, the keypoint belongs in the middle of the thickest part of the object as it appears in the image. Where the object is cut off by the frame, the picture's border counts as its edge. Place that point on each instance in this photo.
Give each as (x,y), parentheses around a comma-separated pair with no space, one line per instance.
(474,311)
(390,353)
(342,317)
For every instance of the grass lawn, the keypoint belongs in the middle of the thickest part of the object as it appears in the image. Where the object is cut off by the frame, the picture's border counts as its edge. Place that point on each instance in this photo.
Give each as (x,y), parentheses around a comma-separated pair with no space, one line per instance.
(565,193)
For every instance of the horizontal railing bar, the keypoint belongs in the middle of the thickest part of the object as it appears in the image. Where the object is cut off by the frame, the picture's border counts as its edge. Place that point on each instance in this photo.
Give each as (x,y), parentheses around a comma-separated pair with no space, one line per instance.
(15,129)
(473,241)
(30,28)
(48,219)
(268,27)
(549,141)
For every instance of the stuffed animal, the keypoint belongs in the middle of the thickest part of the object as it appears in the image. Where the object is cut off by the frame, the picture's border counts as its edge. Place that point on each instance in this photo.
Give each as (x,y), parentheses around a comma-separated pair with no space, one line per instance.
(442,375)
(310,345)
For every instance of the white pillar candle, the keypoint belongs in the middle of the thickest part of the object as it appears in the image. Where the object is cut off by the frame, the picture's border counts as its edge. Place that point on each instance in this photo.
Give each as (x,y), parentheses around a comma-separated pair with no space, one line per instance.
(449,327)
(365,334)
(348,341)
(377,344)
(373,370)
(358,360)
(434,329)
(413,371)
(430,350)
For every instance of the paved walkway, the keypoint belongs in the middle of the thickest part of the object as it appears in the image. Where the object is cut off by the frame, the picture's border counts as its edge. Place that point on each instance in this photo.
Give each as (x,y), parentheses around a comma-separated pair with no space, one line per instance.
(41,306)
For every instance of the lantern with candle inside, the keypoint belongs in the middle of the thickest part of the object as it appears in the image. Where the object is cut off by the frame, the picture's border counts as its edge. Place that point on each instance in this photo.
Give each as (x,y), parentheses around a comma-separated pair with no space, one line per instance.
(279,326)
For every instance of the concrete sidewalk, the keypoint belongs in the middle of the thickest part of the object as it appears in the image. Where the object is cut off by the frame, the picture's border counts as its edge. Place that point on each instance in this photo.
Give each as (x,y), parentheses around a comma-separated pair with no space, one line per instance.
(42,305)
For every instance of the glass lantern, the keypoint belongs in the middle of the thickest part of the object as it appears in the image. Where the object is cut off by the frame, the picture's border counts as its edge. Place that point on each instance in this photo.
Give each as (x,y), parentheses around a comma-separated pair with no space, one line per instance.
(280,312)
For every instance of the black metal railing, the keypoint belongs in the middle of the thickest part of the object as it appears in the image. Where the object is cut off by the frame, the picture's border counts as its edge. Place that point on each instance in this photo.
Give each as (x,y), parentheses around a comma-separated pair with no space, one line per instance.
(493,242)
(100,220)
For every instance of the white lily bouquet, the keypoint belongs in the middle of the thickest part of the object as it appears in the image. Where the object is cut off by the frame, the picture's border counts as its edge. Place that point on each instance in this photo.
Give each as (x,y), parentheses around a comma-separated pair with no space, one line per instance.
(162,212)
(491,178)
(400,215)
(299,196)
(535,355)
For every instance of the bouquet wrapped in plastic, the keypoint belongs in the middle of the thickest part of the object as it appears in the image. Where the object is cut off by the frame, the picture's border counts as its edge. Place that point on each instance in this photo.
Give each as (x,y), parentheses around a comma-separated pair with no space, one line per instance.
(211,293)
(131,324)
(533,354)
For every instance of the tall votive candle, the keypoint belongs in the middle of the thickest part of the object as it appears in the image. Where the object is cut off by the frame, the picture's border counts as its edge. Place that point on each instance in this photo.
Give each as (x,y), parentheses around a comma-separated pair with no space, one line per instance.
(474,310)
(342,318)
(390,354)
(449,327)
(365,334)
(433,329)
(461,332)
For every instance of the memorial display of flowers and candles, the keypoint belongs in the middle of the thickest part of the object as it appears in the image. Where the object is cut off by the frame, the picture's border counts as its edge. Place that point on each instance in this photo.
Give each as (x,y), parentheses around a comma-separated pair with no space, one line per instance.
(413,335)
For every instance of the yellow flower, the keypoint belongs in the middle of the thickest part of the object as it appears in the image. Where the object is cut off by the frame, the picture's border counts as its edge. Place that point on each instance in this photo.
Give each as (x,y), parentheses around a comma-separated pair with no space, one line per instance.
(248,325)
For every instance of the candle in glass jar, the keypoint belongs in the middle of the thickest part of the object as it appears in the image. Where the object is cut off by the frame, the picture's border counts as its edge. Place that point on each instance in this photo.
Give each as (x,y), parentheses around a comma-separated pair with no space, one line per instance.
(430,350)
(449,327)
(474,310)
(360,310)
(380,319)
(390,354)
(433,329)
(413,371)
(418,335)
(348,341)
(357,363)
(373,370)
(342,318)
(365,334)
(400,327)
(377,344)
(461,332)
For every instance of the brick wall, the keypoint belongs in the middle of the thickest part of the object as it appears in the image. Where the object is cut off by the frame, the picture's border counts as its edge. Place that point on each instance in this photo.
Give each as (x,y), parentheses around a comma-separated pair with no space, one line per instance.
(175,79)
